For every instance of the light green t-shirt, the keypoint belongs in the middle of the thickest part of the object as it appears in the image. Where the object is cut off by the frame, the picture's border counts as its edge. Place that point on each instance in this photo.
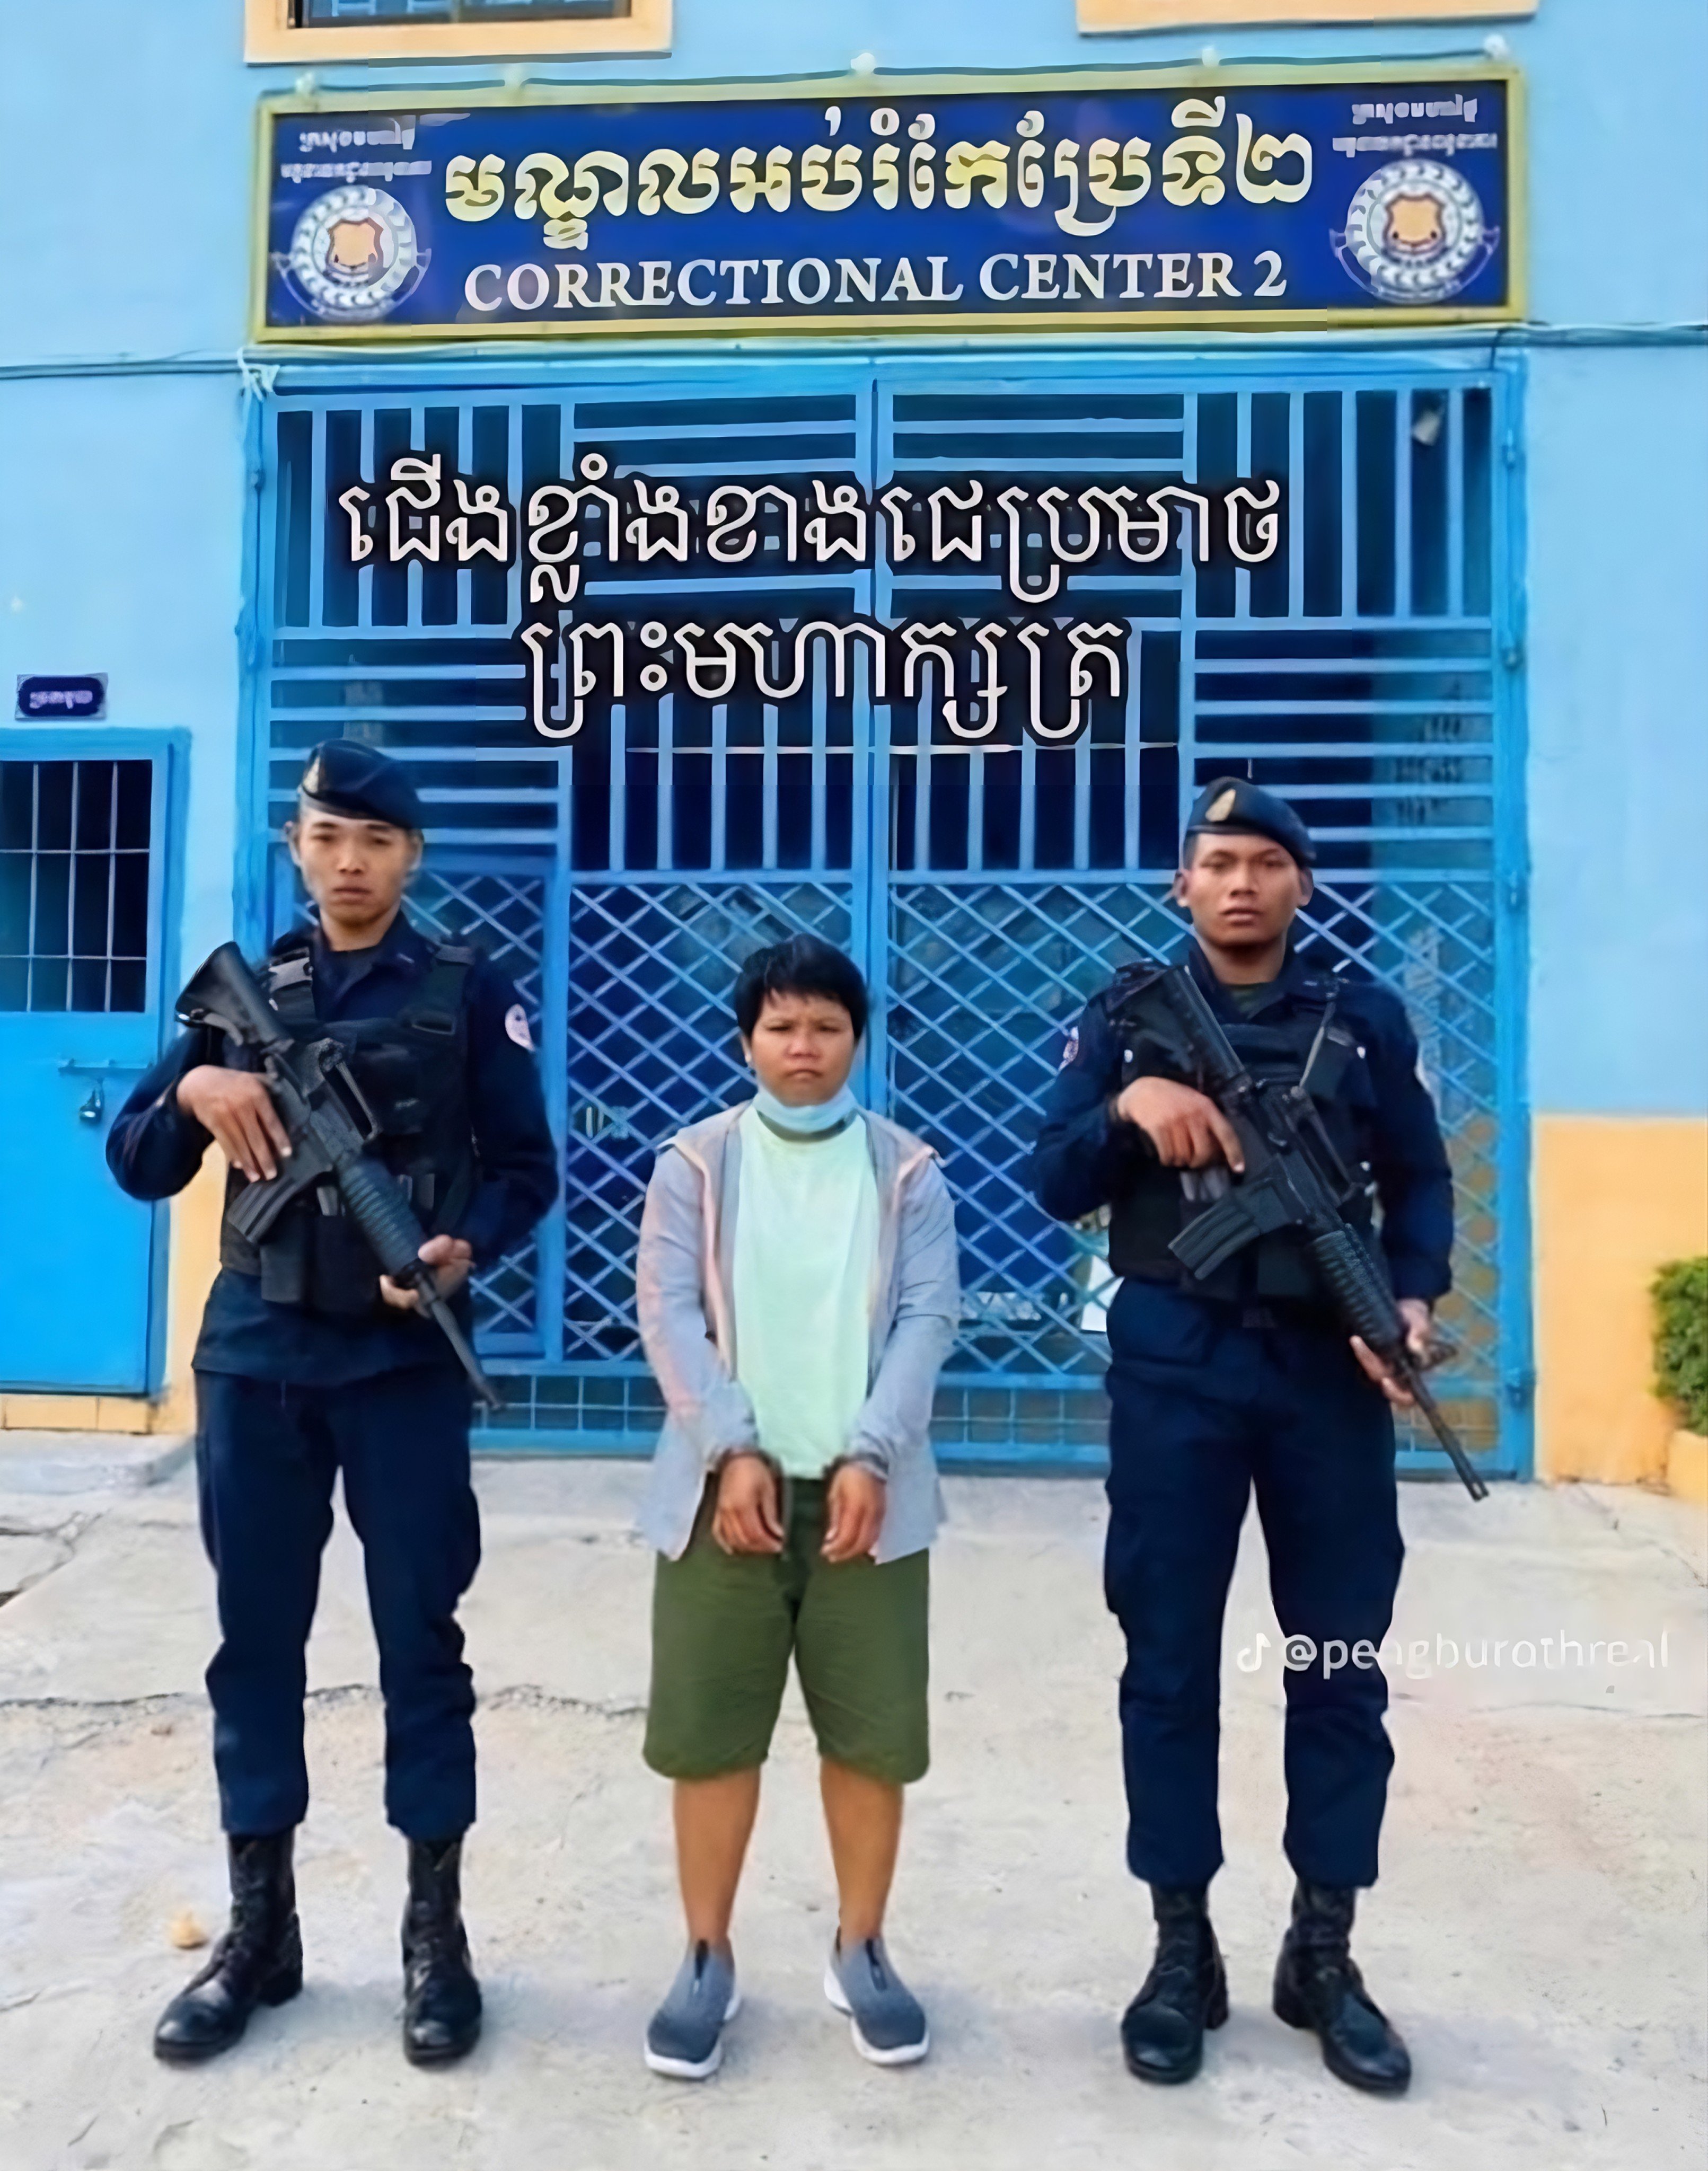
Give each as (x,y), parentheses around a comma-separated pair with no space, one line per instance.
(806,1246)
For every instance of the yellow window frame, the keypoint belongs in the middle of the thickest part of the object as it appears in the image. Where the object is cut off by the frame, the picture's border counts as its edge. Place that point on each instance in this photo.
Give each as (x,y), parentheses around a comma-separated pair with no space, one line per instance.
(1105,15)
(269,36)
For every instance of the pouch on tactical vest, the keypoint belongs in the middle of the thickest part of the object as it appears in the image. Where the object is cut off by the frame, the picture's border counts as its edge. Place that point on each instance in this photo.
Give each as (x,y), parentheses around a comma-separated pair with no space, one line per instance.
(413,1068)
(1146,1218)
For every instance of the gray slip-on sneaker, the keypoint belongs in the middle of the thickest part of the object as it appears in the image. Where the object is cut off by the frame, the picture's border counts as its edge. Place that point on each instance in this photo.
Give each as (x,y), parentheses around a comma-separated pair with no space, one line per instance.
(684,2037)
(888,2020)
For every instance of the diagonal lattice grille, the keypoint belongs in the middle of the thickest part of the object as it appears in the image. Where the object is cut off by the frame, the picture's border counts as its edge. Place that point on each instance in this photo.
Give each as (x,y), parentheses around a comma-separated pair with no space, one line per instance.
(1434,943)
(979,974)
(504,917)
(652,1047)
(1361,672)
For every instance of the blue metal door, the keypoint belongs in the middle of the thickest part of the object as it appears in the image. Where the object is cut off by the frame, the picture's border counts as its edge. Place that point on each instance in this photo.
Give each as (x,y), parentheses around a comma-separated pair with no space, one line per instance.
(83,828)
(1369,670)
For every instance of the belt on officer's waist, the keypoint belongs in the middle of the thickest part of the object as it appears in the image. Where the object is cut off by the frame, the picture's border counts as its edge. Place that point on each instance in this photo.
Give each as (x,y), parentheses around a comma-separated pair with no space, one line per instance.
(1258,1318)
(1299,1315)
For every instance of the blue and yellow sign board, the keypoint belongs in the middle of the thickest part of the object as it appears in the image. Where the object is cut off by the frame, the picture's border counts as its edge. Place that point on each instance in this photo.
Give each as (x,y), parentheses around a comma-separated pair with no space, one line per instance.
(1084,201)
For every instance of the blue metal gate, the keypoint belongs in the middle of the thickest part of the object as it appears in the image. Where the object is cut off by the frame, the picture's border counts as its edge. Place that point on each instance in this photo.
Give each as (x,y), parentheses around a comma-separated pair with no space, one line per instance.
(1370,670)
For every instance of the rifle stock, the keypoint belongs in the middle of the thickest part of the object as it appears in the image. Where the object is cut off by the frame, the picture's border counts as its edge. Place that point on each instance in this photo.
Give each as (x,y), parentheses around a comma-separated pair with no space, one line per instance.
(226,994)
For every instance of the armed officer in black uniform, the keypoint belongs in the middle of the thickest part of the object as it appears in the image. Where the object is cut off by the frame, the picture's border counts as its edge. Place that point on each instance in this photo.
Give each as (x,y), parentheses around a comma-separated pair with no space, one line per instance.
(1242,1382)
(308,1364)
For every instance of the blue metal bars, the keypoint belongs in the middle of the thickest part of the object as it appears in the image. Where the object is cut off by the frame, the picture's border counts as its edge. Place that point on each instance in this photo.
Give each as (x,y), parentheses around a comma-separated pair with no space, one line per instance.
(986,880)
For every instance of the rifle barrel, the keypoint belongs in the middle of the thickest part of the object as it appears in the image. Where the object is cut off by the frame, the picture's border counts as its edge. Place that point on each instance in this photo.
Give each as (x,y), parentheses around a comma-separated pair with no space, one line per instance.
(1412,1379)
(444,1319)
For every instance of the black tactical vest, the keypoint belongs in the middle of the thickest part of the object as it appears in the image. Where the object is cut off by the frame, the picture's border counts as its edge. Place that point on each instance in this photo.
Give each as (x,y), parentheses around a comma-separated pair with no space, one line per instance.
(413,1067)
(1151,1213)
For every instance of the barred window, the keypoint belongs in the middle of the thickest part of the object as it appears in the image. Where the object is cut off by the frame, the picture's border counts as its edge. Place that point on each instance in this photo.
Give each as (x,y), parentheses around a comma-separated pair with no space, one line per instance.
(74,850)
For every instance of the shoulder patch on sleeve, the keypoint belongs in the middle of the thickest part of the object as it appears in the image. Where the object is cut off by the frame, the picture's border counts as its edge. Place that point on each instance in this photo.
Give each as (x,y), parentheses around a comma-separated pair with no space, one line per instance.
(1069,1047)
(516,1027)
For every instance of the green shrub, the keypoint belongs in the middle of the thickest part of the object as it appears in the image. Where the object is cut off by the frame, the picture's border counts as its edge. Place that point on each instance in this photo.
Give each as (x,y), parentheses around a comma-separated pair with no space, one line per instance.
(1680,1292)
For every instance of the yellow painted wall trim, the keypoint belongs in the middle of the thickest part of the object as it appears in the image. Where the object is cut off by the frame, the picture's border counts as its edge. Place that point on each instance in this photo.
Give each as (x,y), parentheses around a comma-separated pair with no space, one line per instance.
(195,1217)
(1687,1466)
(129,1413)
(195,1261)
(1615,1197)
(1095,15)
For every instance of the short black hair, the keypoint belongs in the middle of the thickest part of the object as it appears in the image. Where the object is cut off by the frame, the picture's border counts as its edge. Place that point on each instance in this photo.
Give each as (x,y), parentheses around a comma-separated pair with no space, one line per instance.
(802,965)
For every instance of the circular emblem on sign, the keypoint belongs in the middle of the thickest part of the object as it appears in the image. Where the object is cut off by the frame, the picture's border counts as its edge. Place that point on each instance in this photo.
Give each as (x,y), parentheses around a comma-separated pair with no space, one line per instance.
(1415,233)
(354,255)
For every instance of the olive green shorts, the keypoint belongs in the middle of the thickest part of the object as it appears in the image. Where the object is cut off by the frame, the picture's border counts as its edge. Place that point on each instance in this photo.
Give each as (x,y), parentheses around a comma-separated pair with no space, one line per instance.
(724,1625)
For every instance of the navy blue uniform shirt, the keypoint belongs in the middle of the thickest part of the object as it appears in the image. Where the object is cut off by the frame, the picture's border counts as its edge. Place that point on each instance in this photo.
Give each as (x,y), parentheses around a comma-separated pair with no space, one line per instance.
(1084,1156)
(155,1147)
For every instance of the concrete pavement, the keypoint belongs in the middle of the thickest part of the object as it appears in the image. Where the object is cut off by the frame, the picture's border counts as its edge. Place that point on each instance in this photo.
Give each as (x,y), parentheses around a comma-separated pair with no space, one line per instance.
(1539,1932)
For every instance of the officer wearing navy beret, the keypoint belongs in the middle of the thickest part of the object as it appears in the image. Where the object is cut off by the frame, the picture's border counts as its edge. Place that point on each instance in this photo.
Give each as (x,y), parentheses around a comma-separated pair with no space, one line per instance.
(310,1364)
(1246,1382)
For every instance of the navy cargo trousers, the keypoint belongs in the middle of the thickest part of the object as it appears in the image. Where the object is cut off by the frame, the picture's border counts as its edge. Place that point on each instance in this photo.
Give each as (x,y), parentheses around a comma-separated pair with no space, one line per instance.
(1209,1405)
(266,1454)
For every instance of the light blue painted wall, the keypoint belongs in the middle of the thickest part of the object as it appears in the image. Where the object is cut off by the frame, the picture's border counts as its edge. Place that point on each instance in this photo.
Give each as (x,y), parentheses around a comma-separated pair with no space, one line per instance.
(120,505)
(135,115)
(1618,731)
(121,499)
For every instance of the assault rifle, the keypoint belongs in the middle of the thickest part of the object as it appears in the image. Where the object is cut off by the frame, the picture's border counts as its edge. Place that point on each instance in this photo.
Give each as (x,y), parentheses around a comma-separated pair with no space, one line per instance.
(1293,1179)
(330,1126)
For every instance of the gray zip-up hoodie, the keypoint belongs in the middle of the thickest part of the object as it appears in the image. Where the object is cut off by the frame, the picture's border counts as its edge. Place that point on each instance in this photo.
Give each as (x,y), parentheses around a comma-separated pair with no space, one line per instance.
(683,1279)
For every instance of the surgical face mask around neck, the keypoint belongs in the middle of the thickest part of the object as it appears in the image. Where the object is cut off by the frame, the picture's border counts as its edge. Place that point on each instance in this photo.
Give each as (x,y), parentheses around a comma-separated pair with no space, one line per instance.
(813,1122)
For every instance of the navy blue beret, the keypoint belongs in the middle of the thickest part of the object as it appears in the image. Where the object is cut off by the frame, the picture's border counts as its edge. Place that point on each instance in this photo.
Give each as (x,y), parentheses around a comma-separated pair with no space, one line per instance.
(1234,806)
(344,777)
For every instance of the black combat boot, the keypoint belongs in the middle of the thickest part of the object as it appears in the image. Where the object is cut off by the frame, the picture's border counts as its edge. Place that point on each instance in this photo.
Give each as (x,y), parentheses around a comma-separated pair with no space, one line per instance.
(1185,1993)
(1318,1985)
(441,1997)
(259,1961)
